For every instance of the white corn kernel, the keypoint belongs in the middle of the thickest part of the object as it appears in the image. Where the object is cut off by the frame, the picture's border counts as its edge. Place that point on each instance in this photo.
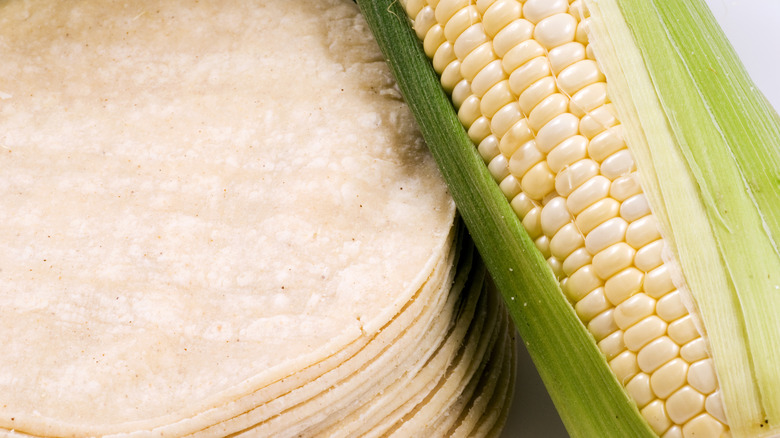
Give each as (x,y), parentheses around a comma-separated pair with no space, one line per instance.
(536,93)
(624,366)
(703,425)
(613,259)
(644,332)
(433,40)
(589,98)
(642,231)
(623,285)
(556,30)
(612,345)
(578,9)
(592,304)
(589,52)
(683,330)
(413,7)
(548,109)
(556,131)
(649,256)
(582,282)
(575,260)
(701,376)
(445,9)
(539,181)
(522,53)
(639,389)
(669,378)
(469,40)
(714,406)
(519,134)
(555,215)
(530,72)
(543,245)
(579,75)
(694,351)
(567,152)
(469,110)
(565,55)
(655,414)
(684,404)
(587,194)
(533,223)
(618,164)
(479,130)
(460,92)
(511,35)
(522,204)
(488,148)
(500,14)
(460,22)
(658,282)
(606,143)
(556,265)
(510,187)
(634,309)
(524,158)
(572,177)
(503,110)
(624,187)
(670,307)
(484,5)
(581,35)
(423,22)
(657,353)
(596,214)
(634,207)
(444,55)
(487,78)
(498,167)
(476,60)
(597,120)
(450,77)
(566,241)
(673,432)
(602,325)
(608,233)
(537,10)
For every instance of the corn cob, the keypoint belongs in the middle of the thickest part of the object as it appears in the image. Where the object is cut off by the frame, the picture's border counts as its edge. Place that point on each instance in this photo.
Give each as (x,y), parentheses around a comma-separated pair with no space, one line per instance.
(528,88)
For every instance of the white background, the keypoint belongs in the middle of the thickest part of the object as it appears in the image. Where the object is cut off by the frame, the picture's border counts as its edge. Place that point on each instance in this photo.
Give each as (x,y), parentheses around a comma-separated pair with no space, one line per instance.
(753,26)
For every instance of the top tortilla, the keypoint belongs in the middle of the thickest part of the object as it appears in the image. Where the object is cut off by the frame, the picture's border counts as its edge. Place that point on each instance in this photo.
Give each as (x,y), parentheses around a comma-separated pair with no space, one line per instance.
(196,195)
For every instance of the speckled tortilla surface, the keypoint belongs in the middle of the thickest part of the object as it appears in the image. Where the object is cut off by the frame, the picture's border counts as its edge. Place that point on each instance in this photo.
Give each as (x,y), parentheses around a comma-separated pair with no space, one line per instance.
(198,198)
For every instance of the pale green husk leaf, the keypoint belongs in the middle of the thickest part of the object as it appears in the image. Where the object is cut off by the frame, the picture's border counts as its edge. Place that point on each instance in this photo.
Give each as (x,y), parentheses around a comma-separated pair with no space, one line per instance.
(708,147)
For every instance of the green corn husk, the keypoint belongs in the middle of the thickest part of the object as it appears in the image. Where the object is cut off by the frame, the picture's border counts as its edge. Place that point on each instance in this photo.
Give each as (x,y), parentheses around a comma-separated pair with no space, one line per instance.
(708,146)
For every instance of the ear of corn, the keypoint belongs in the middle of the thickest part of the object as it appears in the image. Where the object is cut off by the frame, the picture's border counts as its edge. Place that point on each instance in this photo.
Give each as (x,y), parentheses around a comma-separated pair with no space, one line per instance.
(575,372)
(524,80)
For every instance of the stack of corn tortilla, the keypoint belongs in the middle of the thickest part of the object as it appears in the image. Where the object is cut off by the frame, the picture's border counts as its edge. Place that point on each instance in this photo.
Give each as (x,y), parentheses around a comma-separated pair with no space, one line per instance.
(217,218)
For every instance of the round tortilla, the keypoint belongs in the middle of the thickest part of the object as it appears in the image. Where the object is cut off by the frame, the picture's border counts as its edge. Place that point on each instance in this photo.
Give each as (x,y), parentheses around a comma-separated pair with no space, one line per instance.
(199,199)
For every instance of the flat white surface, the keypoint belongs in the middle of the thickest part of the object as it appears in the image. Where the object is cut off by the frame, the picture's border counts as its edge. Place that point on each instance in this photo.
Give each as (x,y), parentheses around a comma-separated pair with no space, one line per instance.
(752,27)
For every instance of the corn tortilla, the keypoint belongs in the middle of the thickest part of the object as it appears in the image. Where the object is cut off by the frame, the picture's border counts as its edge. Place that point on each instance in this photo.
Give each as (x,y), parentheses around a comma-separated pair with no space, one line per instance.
(200,199)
